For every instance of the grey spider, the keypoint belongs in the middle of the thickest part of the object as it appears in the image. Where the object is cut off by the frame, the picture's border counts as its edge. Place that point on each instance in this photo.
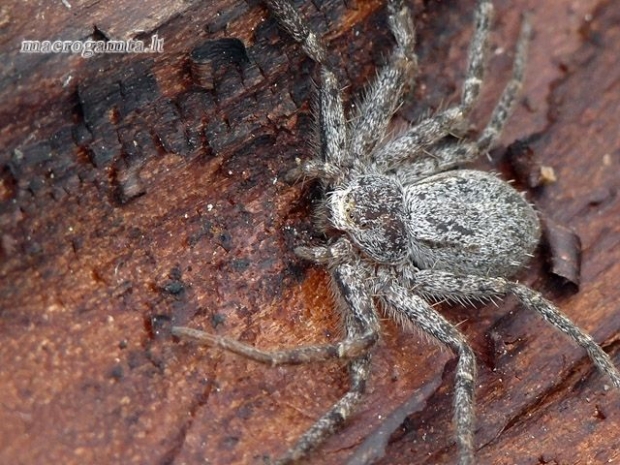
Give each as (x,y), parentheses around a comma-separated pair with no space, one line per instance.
(410,226)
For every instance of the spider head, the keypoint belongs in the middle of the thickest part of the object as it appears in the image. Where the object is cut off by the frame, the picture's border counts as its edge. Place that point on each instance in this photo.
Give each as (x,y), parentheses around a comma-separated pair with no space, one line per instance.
(371,211)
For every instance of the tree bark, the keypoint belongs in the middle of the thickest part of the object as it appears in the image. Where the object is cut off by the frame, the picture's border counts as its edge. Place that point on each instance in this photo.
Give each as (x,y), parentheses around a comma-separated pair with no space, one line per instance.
(137,189)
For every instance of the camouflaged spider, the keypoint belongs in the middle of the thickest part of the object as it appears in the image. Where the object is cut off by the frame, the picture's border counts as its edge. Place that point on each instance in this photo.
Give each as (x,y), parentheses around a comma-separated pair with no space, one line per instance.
(409,227)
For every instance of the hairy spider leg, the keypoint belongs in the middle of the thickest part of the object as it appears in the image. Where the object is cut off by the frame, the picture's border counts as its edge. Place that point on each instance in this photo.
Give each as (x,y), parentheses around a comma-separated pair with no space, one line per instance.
(451,286)
(502,110)
(429,131)
(415,309)
(360,322)
(376,109)
(450,153)
(332,120)
(383,97)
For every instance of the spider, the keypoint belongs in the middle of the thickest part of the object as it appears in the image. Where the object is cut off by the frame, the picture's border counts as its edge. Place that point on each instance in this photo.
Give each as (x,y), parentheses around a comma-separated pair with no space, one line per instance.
(406,225)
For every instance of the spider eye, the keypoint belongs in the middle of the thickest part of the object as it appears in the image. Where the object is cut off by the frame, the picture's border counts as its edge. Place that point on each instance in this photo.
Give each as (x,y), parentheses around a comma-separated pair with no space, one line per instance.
(360,221)
(349,211)
(356,216)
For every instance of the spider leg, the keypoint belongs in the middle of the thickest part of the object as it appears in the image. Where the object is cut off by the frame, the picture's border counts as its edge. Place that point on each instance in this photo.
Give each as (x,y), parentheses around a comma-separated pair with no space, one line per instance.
(359,370)
(295,26)
(339,251)
(477,55)
(502,111)
(383,96)
(442,157)
(439,284)
(332,120)
(454,152)
(418,311)
(448,154)
(361,333)
(431,130)
(333,126)
(345,349)
(361,325)
(360,319)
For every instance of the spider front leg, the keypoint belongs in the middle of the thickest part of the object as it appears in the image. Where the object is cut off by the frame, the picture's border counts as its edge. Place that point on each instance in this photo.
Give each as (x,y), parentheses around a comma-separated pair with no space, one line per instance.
(362,330)
(416,310)
(359,370)
(438,285)
(339,154)
(335,164)
(332,120)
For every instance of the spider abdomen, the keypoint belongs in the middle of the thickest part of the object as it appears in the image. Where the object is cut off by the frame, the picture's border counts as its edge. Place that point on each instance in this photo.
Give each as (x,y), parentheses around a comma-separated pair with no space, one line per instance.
(470,222)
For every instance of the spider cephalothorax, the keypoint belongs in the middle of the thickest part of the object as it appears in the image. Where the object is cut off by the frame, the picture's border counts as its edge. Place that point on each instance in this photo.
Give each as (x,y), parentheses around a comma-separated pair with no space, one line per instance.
(371,209)
(412,226)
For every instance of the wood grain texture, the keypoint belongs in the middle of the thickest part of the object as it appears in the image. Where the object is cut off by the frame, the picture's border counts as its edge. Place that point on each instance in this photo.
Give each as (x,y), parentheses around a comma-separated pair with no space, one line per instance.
(127,191)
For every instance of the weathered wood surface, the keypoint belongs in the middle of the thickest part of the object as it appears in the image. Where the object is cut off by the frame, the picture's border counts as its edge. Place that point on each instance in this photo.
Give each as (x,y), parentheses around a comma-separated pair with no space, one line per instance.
(126,192)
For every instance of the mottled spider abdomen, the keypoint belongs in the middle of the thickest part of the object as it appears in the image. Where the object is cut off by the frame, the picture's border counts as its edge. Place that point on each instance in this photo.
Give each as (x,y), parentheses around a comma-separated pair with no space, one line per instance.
(470,222)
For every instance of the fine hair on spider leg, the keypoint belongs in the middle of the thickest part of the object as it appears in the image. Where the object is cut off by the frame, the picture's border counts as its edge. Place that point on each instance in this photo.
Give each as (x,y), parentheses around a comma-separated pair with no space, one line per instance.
(409,225)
